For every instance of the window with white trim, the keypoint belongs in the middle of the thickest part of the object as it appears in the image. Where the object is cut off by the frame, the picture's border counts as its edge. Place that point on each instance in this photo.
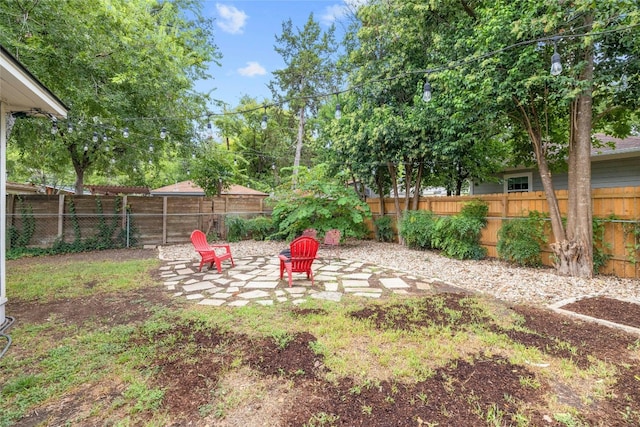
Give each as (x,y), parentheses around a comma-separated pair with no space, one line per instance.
(518,182)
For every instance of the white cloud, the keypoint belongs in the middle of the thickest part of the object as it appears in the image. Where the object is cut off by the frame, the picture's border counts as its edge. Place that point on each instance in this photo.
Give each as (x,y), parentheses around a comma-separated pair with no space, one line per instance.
(333,13)
(252,69)
(231,20)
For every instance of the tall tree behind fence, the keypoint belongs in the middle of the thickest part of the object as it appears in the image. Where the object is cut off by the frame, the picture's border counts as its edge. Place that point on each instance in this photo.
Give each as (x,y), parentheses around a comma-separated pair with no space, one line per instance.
(44,219)
(618,207)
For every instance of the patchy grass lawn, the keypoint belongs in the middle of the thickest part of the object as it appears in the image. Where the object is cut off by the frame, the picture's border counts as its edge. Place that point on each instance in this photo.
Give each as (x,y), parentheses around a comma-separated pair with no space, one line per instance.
(98,341)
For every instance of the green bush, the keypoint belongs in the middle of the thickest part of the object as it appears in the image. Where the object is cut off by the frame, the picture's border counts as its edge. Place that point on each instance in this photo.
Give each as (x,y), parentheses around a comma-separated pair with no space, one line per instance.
(318,201)
(417,229)
(237,228)
(260,227)
(601,249)
(520,240)
(384,229)
(458,236)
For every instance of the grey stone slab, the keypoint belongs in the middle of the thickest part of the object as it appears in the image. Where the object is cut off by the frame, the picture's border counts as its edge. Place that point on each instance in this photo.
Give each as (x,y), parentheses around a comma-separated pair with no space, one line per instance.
(238,303)
(172,283)
(184,271)
(261,285)
(282,299)
(243,277)
(330,268)
(279,293)
(200,286)
(367,295)
(357,276)
(299,301)
(394,283)
(191,281)
(222,281)
(355,283)
(213,302)
(331,286)
(254,294)
(233,289)
(424,286)
(221,295)
(264,302)
(195,296)
(178,294)
(296,290)
(329,296)
(367,290)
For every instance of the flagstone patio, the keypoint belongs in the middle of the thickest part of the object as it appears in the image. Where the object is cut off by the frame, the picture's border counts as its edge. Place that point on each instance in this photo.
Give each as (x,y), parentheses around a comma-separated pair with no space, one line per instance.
(256,280)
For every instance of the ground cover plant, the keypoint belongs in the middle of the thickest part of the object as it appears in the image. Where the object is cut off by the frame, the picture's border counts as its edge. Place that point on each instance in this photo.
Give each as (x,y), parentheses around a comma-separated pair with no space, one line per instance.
(113,347)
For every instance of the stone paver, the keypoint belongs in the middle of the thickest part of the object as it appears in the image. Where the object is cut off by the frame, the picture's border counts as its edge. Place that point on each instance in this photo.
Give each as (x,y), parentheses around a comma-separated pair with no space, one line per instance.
(256,280)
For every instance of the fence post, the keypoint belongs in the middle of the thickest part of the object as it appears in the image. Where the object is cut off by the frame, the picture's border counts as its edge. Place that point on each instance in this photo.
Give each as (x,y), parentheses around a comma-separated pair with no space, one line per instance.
(60,216)
(165,204)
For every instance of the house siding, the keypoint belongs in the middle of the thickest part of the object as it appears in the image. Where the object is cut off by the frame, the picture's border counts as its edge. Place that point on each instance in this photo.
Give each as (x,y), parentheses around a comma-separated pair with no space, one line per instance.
(623,172)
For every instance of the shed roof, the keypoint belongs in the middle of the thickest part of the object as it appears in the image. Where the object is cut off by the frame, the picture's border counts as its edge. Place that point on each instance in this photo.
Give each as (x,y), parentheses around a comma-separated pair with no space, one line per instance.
(189,188)
(109,190)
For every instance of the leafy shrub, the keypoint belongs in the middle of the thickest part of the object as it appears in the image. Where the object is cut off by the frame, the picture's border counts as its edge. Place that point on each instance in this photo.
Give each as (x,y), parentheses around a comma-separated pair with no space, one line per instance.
(601,254)
(260,227)
(319,202)
(458,236)
(384,229)
(237,228)
(520,240)
(417,229)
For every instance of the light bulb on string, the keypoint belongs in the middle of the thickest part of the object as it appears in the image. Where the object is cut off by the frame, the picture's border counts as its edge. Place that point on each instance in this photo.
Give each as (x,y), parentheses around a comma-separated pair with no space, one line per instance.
(54,127)
(104,137)
(125,133)
(69,127)
(86,148)
(151,148)
(95,137)
(163,133)
(426,91)
(556,64)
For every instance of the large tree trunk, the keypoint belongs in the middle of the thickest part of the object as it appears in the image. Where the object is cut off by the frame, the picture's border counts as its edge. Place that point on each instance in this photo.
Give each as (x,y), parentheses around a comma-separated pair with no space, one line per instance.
(79,184)
(296,159)
(408,175)
(416,194)
(396,200)
(575,253)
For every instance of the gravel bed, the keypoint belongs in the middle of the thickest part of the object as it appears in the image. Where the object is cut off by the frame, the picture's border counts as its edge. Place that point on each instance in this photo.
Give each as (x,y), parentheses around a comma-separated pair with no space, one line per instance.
(490,276)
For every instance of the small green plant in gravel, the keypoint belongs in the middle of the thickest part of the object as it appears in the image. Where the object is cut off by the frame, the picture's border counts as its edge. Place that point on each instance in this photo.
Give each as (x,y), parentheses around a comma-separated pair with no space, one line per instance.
(417,229)
(520,240)
(383,228)
(459,236)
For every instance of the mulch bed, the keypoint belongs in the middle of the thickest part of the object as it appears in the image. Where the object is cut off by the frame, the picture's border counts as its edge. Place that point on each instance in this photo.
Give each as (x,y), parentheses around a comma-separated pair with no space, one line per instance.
(613,310)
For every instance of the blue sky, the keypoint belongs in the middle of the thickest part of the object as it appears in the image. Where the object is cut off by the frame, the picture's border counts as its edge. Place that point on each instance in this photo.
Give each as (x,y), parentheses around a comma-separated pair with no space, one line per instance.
(245,32)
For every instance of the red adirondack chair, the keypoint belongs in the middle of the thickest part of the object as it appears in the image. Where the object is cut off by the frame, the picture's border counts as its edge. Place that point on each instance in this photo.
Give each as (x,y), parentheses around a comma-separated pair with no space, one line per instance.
(303,252)
(208,252)
(332,241)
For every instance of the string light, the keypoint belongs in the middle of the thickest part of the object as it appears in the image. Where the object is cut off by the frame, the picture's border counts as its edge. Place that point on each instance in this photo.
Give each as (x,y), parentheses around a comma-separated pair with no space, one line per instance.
(163,133)
(263,123)
(125,133)
(69,127)
(426,91)
(556,65)
(95,137)
(338,113)
(54,127)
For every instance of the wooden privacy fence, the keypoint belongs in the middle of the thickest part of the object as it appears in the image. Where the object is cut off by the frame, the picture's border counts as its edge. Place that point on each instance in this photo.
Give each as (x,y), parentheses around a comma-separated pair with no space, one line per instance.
(620,207)
(150,220)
